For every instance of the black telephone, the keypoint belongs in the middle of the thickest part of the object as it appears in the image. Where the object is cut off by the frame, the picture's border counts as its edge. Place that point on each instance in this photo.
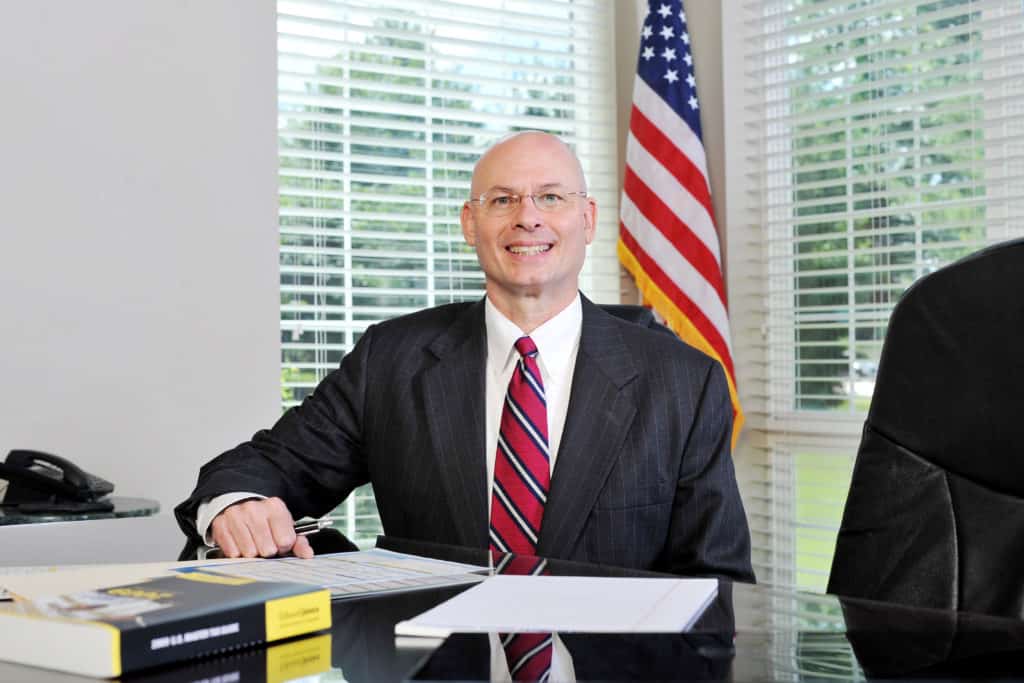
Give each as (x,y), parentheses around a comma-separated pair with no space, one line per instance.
(41,482)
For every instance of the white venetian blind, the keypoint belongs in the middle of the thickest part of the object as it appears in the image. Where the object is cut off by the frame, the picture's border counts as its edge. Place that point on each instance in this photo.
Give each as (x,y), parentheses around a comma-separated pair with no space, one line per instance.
(384,106)
(880,140)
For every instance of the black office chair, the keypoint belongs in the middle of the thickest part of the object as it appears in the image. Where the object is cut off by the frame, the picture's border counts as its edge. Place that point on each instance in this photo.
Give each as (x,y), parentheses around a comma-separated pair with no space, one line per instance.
(636,314)
(935,513)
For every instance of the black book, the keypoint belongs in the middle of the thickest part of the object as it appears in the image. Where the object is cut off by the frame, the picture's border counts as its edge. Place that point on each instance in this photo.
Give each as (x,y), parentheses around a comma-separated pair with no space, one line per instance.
(111,631)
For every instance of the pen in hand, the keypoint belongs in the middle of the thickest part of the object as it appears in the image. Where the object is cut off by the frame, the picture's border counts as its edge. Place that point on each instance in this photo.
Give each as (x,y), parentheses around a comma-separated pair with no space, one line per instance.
(301,529)
(313,526)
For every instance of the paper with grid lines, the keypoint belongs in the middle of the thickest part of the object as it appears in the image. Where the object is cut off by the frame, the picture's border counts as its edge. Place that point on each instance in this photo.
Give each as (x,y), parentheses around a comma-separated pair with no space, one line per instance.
(356,573)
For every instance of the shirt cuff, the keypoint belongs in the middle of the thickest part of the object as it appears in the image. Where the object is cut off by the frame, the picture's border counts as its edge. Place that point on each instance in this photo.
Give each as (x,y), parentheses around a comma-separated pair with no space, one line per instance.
(211,507)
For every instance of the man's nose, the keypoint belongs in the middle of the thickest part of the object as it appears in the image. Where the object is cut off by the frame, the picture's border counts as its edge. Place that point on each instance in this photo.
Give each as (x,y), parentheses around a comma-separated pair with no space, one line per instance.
(527,215)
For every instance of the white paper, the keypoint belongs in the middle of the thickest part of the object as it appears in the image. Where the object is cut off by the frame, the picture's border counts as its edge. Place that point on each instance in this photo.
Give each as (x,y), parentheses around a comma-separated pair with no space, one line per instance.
(358,573)
(568,604)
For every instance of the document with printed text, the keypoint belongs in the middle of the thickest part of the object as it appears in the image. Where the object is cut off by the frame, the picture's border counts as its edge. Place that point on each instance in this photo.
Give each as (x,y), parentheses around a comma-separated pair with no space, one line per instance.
(356,573)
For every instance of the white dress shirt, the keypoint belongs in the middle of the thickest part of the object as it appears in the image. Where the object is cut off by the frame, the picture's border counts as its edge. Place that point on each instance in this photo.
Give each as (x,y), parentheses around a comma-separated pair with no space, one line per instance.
(558,341)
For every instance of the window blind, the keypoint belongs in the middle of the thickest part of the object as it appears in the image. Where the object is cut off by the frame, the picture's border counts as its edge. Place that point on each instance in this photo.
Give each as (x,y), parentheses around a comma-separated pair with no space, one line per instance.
(383,108)
(877,140)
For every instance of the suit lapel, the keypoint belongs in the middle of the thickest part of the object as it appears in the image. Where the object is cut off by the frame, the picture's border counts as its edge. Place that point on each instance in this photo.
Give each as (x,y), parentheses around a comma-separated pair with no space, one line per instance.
(454,394)
(601,410)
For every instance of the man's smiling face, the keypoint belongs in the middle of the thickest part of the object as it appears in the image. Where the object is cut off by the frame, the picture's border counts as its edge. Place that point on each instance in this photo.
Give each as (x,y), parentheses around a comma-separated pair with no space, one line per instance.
(530,253)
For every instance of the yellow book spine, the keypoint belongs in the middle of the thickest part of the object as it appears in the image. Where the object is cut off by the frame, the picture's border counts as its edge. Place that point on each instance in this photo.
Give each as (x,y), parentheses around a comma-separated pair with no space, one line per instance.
(115,648)
(298,614)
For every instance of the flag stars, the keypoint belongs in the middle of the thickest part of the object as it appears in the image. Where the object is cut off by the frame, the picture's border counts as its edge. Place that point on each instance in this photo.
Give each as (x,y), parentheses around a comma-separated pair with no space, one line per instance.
(665,53)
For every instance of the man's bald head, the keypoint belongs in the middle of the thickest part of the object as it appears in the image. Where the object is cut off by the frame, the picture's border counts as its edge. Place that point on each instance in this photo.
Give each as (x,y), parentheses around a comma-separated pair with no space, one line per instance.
(528,142)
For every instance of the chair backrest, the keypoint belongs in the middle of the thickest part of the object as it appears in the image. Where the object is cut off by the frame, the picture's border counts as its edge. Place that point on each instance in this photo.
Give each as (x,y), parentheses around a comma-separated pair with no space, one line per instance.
(634,314)
(935,512)
(637,314)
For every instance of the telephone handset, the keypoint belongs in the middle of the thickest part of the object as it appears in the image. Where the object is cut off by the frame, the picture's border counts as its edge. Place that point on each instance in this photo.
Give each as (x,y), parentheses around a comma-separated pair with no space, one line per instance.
(41,482)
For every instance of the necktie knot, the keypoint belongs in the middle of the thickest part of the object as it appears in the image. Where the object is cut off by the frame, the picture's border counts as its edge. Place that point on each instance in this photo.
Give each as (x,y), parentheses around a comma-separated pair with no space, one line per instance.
(526,347)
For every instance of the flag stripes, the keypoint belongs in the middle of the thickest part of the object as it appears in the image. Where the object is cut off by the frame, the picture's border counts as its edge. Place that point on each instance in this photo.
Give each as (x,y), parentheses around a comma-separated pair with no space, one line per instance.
(682,177)
(673,273)
(675,231)
(673,126)
(682,194)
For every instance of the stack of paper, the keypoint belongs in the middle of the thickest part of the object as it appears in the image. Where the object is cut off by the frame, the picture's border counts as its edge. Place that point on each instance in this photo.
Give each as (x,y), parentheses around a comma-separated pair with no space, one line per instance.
(568,604)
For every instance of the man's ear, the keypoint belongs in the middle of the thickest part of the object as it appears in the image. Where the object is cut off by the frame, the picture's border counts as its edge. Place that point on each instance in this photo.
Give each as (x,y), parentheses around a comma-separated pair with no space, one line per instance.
(590,220)
(468,225)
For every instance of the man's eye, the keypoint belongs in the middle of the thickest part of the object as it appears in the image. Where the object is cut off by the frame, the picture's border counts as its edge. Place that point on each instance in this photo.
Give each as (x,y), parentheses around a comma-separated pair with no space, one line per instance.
(551,199)
(501,200)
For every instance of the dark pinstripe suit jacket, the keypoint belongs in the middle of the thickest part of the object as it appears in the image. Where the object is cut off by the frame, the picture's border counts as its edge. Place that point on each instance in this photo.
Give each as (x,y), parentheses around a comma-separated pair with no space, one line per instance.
(643,476)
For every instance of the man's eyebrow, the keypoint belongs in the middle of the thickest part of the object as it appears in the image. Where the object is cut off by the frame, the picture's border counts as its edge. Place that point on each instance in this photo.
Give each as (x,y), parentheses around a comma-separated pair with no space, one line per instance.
(512,190)
(500,188)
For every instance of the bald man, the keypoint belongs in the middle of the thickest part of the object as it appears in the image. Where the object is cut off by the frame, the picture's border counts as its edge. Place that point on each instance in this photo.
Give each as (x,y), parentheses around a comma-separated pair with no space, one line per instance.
(635,469)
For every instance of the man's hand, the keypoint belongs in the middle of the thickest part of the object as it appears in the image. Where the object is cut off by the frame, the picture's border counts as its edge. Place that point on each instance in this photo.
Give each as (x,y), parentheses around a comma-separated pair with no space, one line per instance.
(258,528)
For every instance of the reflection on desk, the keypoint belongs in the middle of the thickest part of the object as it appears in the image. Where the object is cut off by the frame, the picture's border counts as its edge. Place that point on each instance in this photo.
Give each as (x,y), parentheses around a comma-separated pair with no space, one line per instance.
(751,633)
(596,657)
(123,507)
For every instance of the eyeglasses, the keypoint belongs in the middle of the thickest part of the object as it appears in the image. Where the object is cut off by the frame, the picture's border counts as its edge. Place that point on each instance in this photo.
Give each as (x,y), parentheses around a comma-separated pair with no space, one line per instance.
(505,203)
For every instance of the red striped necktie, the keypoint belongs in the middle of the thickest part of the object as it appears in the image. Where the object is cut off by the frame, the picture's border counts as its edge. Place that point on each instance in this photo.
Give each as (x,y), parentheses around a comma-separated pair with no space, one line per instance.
(522,473)
(522,477)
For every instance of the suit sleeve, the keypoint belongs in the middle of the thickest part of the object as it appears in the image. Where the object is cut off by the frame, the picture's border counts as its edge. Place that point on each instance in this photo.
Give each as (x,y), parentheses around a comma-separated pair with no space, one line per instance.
(311,459)
(708,533)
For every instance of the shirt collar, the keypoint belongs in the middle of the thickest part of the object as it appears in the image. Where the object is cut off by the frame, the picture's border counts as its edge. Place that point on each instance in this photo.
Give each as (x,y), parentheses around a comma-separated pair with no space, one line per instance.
(556,339)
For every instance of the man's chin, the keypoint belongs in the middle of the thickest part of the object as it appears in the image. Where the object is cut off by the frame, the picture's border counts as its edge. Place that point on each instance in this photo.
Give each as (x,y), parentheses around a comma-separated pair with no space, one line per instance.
(533,291)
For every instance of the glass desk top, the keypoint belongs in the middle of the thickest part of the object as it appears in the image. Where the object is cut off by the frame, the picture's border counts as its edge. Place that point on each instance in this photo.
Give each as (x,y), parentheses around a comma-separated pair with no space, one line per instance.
(123,507)
(749,633)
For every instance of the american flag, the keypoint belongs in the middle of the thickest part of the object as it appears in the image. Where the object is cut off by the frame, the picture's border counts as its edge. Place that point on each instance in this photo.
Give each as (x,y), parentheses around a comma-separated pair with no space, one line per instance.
(667,236)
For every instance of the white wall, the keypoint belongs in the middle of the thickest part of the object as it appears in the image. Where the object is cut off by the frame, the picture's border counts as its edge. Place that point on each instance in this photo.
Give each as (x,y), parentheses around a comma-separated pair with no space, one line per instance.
(138,261)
